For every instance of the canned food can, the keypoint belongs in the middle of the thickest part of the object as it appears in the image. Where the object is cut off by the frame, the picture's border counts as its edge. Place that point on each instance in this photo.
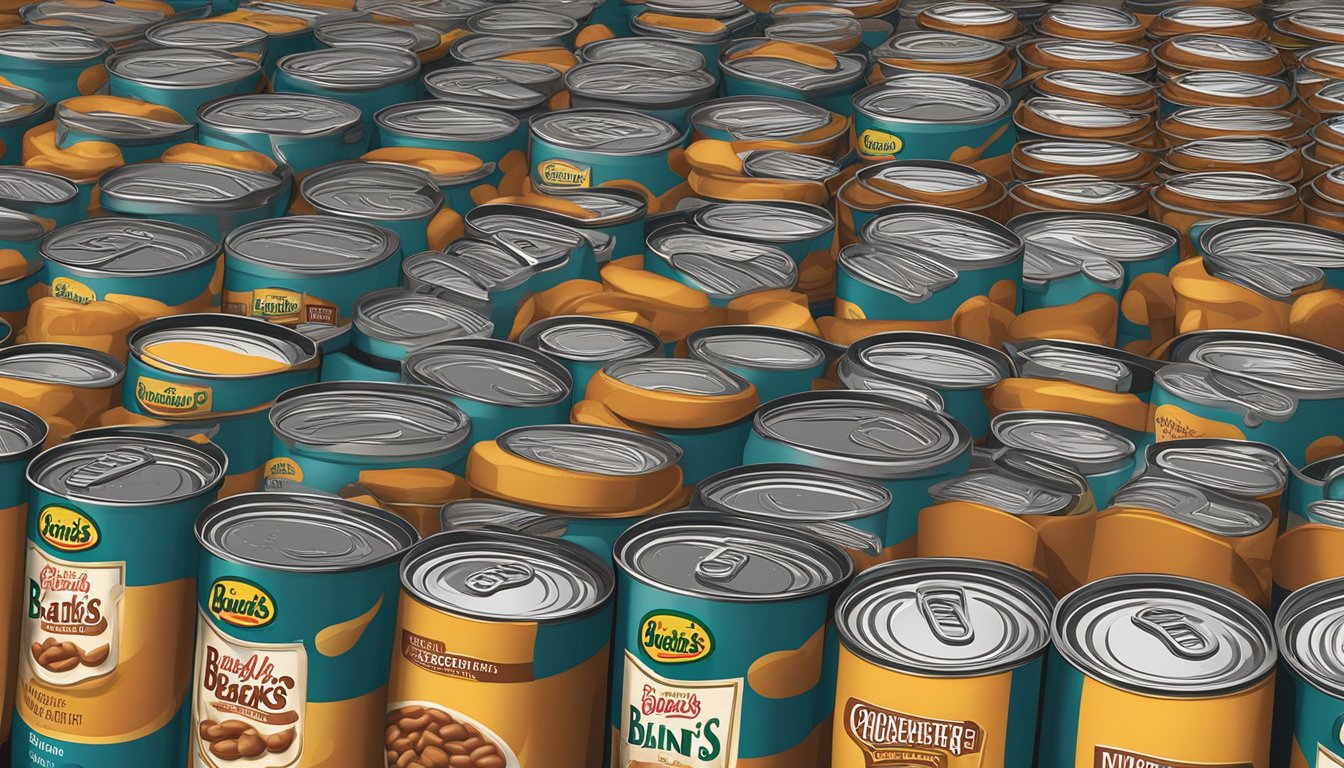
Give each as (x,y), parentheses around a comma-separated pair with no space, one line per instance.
(1316,69)
(307,271)
(534,23)
(317,666)
(497,139)
(397,197)
(1105,454)
(941,661)
(212,199)
(1109,89)
(1091,22)
(1214,19)
(58,63)
(763,67)
(68,386)
(286,33)
(1213,88)
(645,51)
(443,15)
(607,147)
(965,18)
(1190,202)
(902,447)
(1098,159)
(721,268)
(1196,51)
(692,589)
(300,131)
(475,48)
(832,31)
(476,85)
(805,232)
(40,194)
(1274,158)
(1048,117)
(499,384)
(765,122)
(1162,649)
(110,572)
(327,435)
(962,372)
(368,79)
(595,534)
(613,219)
(1075,377)
(706,36)
(945,53)
(1307,28)
(140,130)
(22,110)
(483,276)
(390,322)
(1047,53)
(777,361)
(1305,733)
(229,37)
(1212,122)
(1081,193)
(666,94)
(1275,389)
(425,42)
(876,186)
(932,117)
(25,432)
(531,618)
(179,78)
(1072,257)
(123,26)
(556,251)
(1241,469)
(584,345)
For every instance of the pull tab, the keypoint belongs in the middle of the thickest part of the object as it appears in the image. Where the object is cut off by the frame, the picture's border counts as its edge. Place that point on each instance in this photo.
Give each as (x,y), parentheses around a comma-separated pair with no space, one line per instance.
(488,581)
(109,467)
(847,536)
(721,565)
(944,608)
(1184,634)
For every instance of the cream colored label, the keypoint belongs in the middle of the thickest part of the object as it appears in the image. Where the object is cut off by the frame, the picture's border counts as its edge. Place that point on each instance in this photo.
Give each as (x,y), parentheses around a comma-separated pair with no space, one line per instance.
(685,723)
(283,468)
(248,703)
(170,398)
(72,290)
(72,630)
(1327,759)
(560,173)
(874,143)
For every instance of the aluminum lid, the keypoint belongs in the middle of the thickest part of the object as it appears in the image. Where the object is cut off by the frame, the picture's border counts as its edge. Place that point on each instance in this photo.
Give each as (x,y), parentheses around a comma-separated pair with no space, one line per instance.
(520,21)
(496,513)
(500,576)
(1195,506)
(181,67)
(1092,445)
(607,131)
(1079,153)
(1237,119)
(490,371)
(410,319)
(302,533)
(782,164)
(757,346)
(19,103)
(1220,49)
(63,364)
(780,71)
(1089,237)
(792,493)
(1020,483)
(945,617)
(370,419)
(1231,186)
(1327,511)
(1310,631)
(475,85)
(1087,364)
(28,189)
(207,34)
(158,187)
(377,191)
(764,221)
(721,267)
(966,240)
(1253,240)
(646,51)
(131,469)
(1164,635)
(22,432)
(1095,82)
(1070,115)
(867,434)
(448,122)
(1282,362)
(591,450)
(117,24)
(322,245)
(943,362)
(52,44)
(933,98)
(1231,84)
(679,375)
(280,114)
(351,68)
(1236,467)
(589,339)
(489,263)
(748,118)
(814,28)
(936,46)
(637,84)
(403,37)
(119,128)
(708,555)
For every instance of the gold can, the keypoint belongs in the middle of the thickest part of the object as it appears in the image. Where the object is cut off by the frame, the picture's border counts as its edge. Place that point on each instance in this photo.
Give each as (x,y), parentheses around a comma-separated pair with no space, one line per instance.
(1203,51)
(1249,154)
(1047,53)
(1081,192)
(1090,22)
(1103,159)
(1048,117)
(1212,19)
(1188,201)
(976,19)
(1096,87)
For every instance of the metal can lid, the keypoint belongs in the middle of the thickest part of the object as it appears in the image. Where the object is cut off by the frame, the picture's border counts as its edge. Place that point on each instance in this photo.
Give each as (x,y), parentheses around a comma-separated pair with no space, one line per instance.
(474,48)
(1273,241)
(378,191)
(1164,635)
(756,346)
(1195,506)
(501,576)
(128,246)
(443,15)
(441,120)
(18,103)
(1222,48)
(726,10)
(1230,186)
(764,221)
(863,433)
(64,364)
(117,24)
(933,98)
(22,432)
(26,189)
(542,242)
(411,319)
(525,22)
(1070,114)
(1092,445)
(945,617)
(1242,119)
(591,450)
(351,68)
(312,244)
(935,46)
(52,44)
(1208,16)
(646,51)
(1021,483)
(1236,467)
(1097,82)
(678,375)
(814,28)
(719,266)
(431,272)
(143,468)
(1281,362)
(489,263)
(748,118)
(614,131)
(1091,18)
(1215,82)
(938,360)
(1310,631)
(205,33)
(497,513)
(913,277)
(279,114)
(477,85)
(1086,190)
(1328,511)
(933,177)
(792,493)
(302,533)
(609,205)
(402,37)
(593,339)
(490,371)
(778,70)
(1326,21)
(637,84)
(116,127)
(190,187)
(1087,364)
(245,336)
(181,67)
(733,559)
(1063,243)
(1087,154)
(370,419)
(579,10)
(965,240)
(1091,51)
(782,164)
(973,14)
(863,379)
(1202,385)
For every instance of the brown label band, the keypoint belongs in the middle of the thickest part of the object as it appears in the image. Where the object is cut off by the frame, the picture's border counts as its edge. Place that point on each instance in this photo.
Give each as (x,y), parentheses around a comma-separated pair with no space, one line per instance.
(85,630)
(901,740)
(256,715)
(431,655)
(1110,757)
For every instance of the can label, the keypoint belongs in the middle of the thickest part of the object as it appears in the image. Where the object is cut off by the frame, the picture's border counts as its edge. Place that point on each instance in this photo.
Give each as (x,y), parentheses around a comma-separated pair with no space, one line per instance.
(900,740)
(560,173)
(1327,759)
(1171,422)
(72,290)
(433,655)
(281,306)
(171,398)
(72,629)
(875,143)
(694,722)
(1109,757)
(283,468)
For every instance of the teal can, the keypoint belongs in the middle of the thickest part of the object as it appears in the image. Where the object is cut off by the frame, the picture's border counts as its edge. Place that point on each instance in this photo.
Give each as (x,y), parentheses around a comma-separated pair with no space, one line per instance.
(497,138)
(17,295)
(923,262)
(619,214)
(368,79)
(58,63)
(1106,455)
(803,231)
(1312,482)
(110,579)
(499,384)
(479,275)
(723,269)
(230,37)
(904,448)
(123,26)
(666,94)
(607,147)
(584,345)
(400,198)
(595,534)
(212,199)
(22,232)
(307,586)
(41,194)
(486,86)
(924,116)
(390,322)
(25,434)
(303,132)
(1310,702)
(777,361)
(325,435)
(557,251)
(1279,390)
(20,110)
(141,131)
(759,66)
(181,79)
(693,599)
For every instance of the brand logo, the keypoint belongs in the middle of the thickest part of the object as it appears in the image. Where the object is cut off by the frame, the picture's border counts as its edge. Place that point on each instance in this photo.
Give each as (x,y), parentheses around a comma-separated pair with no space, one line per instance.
(1109,757)
(670,637)
(873,143)
(559,173)
(275,304)
(68,530)
(890,738)
(241,603)
(167,398)
(285,469)
(72,290)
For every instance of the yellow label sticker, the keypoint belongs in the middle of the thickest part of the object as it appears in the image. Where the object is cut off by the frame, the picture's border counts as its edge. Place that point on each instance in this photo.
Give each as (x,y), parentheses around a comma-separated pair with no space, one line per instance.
(241,603)
(671,637)
(170,398)
(66,529)
(560,173)
(72,290)
(874,143)
(1171,422)
(284,467)
(275,304)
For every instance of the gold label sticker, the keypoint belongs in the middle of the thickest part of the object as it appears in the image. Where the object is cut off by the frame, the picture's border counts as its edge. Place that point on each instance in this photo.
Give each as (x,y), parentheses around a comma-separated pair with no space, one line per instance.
(561,173)
(874,143)
(170,398)
(72,290)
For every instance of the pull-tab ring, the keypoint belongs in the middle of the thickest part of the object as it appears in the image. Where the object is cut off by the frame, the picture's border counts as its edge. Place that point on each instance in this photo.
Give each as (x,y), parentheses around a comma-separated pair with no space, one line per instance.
(943,606)
(488,581)
(1183,634)
(721,565)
